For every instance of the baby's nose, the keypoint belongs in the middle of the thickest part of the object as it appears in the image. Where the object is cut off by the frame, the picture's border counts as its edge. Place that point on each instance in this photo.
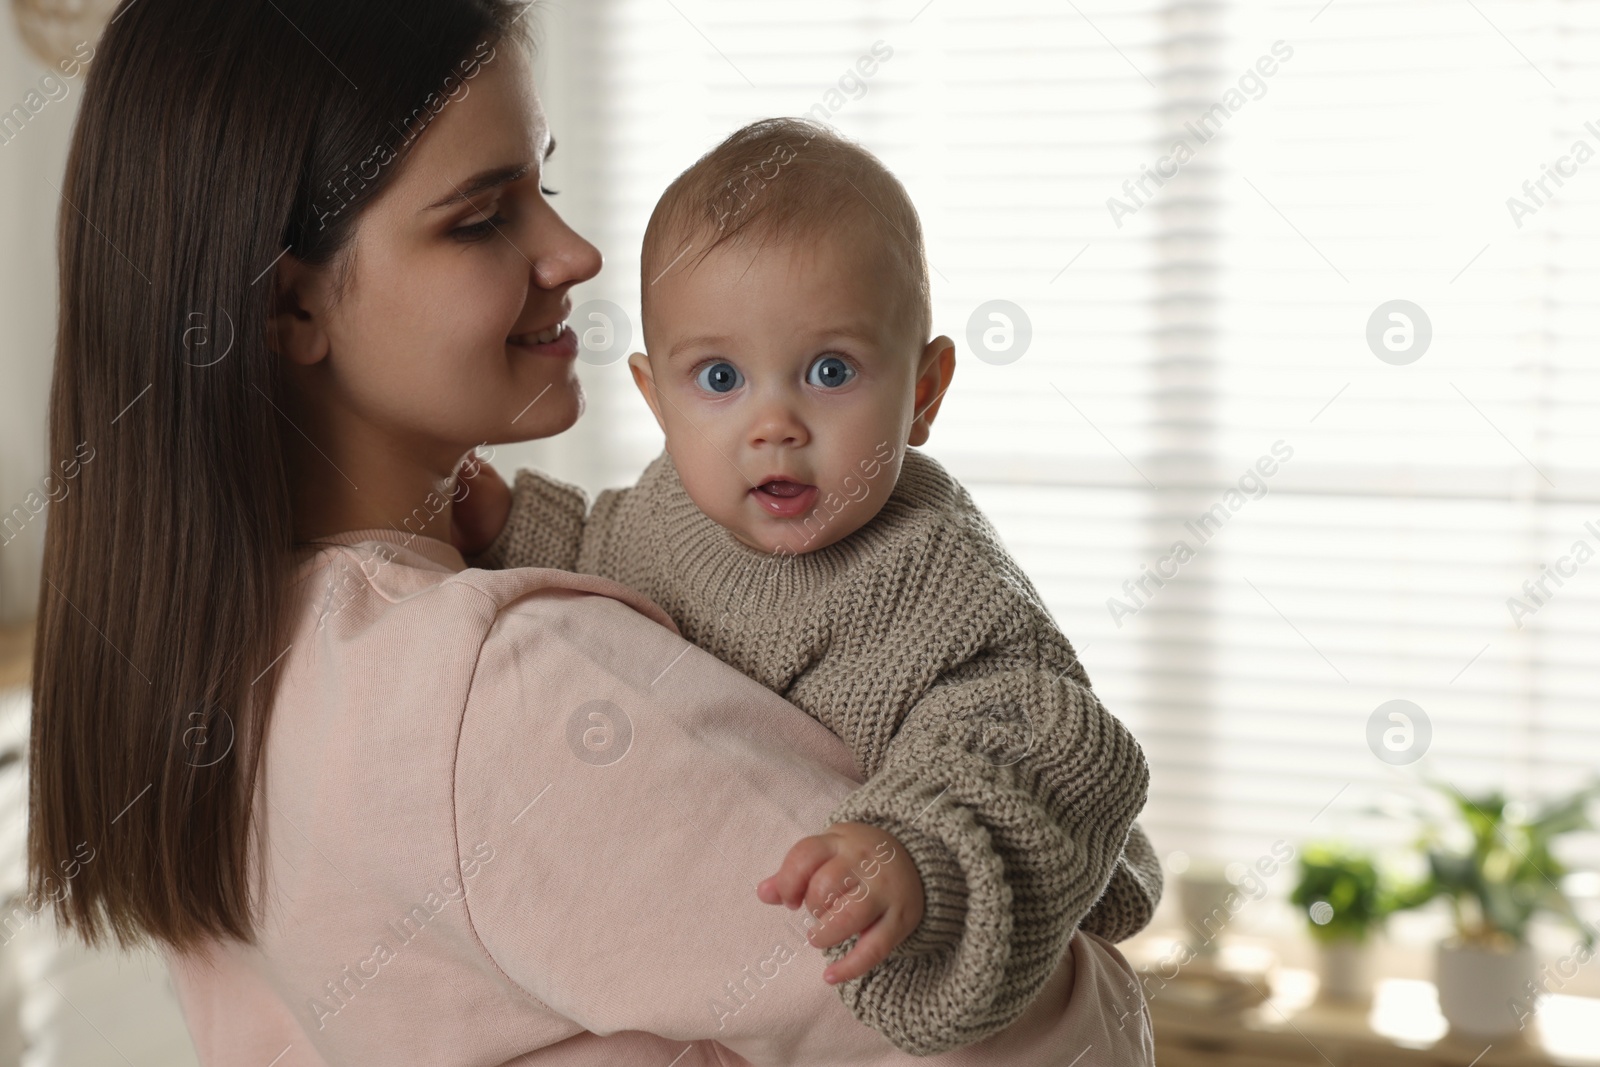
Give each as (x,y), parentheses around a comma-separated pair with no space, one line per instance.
(778,424)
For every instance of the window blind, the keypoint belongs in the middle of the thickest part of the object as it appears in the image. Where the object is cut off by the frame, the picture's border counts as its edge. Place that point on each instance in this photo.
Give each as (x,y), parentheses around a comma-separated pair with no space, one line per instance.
(1213,361)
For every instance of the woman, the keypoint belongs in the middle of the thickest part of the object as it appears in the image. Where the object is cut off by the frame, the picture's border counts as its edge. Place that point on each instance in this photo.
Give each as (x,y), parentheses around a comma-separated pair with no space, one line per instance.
(376,806)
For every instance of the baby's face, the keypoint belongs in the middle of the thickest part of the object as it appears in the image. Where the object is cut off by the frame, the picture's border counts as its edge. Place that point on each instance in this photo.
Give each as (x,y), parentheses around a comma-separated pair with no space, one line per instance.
(790,362)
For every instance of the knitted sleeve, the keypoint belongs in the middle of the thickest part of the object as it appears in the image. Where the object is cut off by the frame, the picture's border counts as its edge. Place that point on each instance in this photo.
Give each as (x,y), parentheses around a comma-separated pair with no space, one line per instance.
(606,540)
(544,528)
(1014,792)
(1131,896)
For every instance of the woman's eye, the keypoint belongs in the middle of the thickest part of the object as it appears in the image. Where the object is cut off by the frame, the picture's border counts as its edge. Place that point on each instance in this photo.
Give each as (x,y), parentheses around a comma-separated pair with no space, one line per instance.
(830,372)
(478,230)
(719,377)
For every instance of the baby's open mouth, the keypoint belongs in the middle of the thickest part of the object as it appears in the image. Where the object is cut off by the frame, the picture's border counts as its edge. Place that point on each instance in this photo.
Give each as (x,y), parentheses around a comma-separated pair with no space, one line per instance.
(784,498)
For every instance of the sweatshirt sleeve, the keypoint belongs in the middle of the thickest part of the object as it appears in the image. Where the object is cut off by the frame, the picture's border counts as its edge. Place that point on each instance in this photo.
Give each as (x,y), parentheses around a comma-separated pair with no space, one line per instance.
(1130,899)
(1013,790)
(637,790)
(544,529)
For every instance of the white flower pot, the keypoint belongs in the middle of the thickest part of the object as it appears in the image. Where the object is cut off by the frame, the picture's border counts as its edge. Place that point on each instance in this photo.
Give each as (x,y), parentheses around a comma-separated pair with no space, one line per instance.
(1203,892)
(1346,970)
(1480,988)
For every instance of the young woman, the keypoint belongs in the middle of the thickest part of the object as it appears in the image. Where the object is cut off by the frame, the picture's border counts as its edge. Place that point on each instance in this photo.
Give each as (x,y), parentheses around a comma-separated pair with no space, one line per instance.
(376,806)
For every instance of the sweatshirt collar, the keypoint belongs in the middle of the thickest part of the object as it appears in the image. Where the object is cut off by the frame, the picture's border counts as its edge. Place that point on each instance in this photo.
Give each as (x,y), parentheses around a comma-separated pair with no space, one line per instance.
(429,548)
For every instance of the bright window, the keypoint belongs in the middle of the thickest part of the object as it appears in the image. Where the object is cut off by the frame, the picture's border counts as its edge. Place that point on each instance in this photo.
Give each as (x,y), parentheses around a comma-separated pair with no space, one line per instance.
(1207,332)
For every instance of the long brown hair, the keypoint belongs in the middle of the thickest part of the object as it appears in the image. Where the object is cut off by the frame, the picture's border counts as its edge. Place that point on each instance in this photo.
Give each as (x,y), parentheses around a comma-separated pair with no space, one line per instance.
(212,139)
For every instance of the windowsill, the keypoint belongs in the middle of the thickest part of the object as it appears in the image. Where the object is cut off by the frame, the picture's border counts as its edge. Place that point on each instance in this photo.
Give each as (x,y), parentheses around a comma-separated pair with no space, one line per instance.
(1400,1025)
(1405,948)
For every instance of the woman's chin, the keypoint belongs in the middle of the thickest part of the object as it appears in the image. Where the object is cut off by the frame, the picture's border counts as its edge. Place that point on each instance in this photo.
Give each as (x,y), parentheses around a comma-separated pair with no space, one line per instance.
(554,409)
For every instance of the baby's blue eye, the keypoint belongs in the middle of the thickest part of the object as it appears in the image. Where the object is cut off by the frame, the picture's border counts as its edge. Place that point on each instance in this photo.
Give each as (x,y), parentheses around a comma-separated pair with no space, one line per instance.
(830,372)
(723,377)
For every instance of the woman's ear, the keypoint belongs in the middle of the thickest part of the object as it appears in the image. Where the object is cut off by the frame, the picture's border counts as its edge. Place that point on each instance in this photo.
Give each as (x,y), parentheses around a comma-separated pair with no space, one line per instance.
(644,378)
(934,371)
(296,321)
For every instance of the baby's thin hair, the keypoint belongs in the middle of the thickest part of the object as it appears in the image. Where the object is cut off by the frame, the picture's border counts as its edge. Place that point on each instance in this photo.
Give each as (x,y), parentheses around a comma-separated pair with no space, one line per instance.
(782,179)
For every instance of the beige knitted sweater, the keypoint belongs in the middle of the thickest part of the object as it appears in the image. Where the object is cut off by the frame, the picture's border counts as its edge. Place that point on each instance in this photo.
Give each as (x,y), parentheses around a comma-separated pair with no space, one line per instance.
(920,642)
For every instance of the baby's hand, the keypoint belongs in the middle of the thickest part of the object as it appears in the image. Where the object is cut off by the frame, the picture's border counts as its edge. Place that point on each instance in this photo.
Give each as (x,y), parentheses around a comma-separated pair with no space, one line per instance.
(854,879)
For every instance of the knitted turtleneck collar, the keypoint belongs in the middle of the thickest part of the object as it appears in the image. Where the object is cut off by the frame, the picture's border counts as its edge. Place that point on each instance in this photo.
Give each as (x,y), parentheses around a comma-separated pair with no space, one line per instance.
(701,556)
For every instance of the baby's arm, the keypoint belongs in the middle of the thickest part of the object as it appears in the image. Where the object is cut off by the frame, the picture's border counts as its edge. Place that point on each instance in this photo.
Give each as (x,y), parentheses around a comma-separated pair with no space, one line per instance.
(844,877)
(1012,855)
(1013,792)
(1130,899)
(544,529)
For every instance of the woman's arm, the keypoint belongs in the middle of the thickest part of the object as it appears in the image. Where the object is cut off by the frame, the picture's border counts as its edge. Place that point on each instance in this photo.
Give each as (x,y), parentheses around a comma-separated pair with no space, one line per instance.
(638,789)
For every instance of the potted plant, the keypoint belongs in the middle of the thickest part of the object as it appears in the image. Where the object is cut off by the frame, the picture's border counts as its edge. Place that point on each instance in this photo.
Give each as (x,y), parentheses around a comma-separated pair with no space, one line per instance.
(1493,862)
(1345,902)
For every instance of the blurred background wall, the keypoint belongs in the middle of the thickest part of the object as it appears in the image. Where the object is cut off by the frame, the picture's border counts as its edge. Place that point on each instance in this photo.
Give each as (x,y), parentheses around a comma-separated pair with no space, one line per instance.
(30,160)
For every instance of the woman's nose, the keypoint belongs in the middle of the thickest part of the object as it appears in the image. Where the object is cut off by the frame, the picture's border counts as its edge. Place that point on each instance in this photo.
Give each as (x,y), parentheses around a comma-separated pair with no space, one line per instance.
(564,257)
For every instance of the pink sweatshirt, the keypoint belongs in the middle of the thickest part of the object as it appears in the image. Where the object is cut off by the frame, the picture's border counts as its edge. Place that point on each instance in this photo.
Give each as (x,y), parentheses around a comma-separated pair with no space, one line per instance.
(514,816)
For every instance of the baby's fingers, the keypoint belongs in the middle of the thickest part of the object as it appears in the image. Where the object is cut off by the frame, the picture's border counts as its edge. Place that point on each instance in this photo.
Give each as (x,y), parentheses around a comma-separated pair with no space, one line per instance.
(789,884)
(871,949)
(841,904)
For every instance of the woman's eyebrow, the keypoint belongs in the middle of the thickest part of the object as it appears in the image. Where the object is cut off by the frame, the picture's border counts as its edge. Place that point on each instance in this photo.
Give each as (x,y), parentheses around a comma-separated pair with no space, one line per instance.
(488,179)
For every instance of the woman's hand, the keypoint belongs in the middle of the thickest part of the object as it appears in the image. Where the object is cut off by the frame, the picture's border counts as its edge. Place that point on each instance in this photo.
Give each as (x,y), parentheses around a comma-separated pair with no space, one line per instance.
(853,879)
(482,503)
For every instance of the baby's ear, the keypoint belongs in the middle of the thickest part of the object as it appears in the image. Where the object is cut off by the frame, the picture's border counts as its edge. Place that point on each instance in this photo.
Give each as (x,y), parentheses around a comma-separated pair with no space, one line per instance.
(644,378)
(938,366)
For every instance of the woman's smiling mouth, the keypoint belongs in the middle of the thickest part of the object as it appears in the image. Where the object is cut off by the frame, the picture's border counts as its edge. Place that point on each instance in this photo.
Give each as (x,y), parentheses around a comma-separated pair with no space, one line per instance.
(559,340)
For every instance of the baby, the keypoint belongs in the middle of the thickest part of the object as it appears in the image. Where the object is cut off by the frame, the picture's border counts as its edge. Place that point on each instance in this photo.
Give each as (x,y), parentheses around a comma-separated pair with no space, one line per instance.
(792,529)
